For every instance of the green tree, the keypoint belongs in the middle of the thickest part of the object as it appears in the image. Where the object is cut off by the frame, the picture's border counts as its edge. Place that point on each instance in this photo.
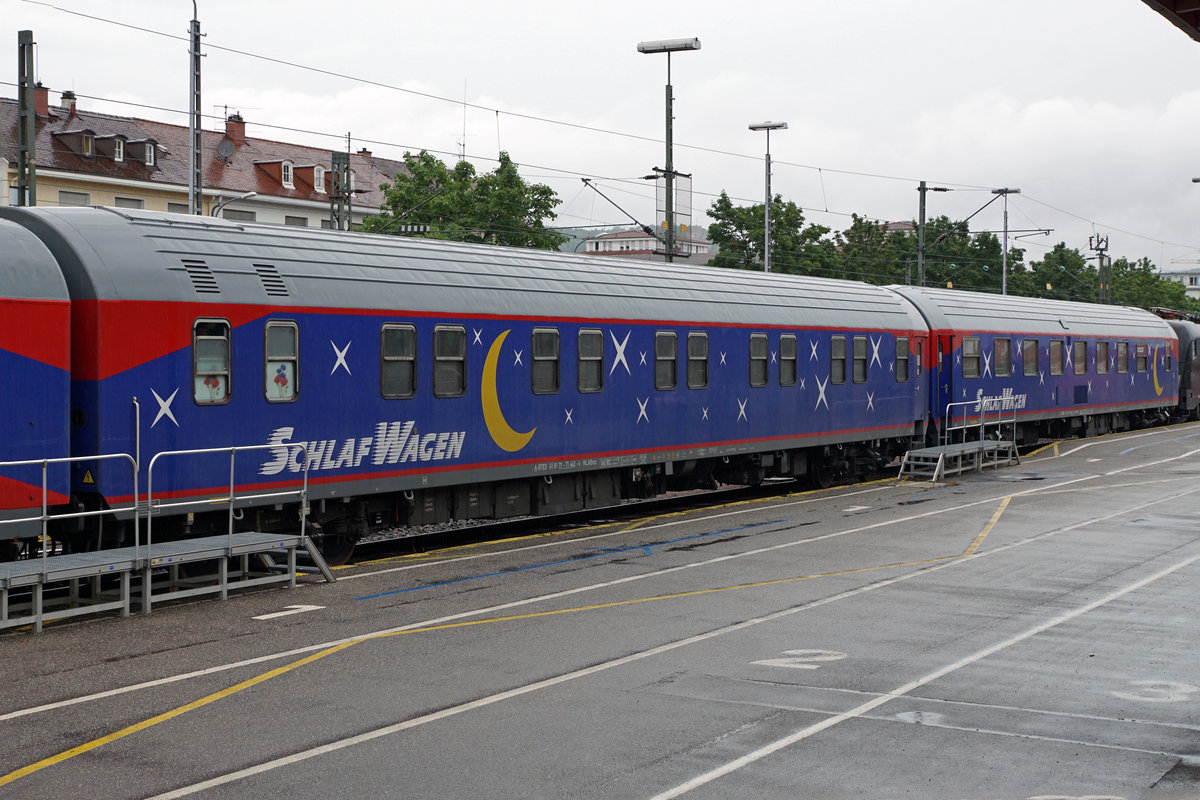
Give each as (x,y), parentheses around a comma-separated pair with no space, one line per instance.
(498,207)
(738,233)
(1063,274)
(868,251)
(1139,284)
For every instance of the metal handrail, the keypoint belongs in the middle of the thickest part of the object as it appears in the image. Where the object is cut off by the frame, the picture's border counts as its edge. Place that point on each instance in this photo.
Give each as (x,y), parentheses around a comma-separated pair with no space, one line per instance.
(45,516)
(948,428)
(232,498)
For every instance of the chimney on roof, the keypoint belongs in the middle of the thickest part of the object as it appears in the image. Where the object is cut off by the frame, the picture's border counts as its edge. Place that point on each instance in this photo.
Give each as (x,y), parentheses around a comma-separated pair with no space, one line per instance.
(68,100)
(41,100)
(235,128)
(365,153)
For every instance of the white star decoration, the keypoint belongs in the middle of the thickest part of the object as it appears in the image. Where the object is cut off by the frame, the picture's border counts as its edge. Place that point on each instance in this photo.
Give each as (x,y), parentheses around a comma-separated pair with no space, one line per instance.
(341,358)
(517,356)
(821,397)
(642,410)
(164,408)
(742,408)
(620,357)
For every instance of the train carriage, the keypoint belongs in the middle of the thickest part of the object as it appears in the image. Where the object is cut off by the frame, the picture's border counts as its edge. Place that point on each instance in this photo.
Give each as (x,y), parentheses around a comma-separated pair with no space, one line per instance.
(1059,368)
(426,379)
(34,364)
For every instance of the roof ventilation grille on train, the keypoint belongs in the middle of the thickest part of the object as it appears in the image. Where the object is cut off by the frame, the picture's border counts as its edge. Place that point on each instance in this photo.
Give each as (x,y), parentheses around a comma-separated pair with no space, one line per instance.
(203,280)
(272,281)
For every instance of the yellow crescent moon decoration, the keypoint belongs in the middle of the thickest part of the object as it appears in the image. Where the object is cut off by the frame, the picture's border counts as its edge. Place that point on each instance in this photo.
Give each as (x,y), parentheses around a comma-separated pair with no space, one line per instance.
(1158,389)
(502,433)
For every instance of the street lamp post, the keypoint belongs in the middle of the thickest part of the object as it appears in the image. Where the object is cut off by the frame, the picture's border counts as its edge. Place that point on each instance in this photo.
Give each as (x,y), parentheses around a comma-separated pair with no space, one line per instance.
(1004,254)
(669,46)
(219,205)
(768,127)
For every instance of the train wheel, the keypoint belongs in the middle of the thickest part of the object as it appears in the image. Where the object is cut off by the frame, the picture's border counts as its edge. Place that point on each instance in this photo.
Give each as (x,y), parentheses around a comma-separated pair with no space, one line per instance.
(335,542)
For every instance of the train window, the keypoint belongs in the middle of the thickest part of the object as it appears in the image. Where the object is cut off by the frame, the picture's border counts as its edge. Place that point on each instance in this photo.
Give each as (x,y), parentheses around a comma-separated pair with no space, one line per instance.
(1101,358)
(901,360)
(971,348)
(591,361)
(666,353)
(758,359)
(545,361)
(282,382)
(211,361)
(398,361)
(697,366)
(1057,356)
(1002,355)
(449,361)
(1080,357)
(1195,347)
(1122,356)
(860,359)
(1142,351)
(837,359)
(787,359)
(1029,357)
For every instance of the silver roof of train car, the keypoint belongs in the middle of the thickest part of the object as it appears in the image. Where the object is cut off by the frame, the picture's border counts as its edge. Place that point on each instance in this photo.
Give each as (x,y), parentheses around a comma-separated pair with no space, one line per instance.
(126,254)
(974,311)
(27,269)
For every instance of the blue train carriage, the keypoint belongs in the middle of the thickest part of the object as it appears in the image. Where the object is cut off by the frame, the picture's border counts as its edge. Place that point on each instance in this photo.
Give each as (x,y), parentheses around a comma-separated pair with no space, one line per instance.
(34,361)
(423,380)
(1061,368)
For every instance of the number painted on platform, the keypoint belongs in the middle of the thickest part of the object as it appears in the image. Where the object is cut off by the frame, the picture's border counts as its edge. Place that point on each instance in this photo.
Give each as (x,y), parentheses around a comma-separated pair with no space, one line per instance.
(802,659)
(1159,692)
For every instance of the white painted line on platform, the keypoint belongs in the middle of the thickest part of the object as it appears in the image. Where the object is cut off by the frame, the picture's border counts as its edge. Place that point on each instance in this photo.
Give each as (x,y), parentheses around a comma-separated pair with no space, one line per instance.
(290,610)
(852,509)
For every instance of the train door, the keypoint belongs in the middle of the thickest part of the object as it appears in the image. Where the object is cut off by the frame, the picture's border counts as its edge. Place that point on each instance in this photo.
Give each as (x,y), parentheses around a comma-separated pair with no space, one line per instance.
(945,380)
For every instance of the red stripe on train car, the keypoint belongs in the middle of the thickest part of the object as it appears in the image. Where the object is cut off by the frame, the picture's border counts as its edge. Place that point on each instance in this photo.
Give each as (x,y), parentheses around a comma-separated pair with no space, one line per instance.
(36,329)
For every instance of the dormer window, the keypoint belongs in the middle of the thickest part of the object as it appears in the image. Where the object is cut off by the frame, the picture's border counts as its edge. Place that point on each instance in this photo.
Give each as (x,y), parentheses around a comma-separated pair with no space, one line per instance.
(286,173)
(86,147)
(118,150)
(319,179)
(149,154)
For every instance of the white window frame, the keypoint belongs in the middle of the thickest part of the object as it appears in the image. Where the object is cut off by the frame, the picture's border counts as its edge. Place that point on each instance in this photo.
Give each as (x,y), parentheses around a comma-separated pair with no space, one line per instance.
(118,150)
(319,178)
(286,175)
(150,154)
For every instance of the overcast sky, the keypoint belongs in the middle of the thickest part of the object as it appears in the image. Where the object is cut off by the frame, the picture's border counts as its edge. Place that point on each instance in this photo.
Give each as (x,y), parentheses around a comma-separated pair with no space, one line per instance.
(1090,107)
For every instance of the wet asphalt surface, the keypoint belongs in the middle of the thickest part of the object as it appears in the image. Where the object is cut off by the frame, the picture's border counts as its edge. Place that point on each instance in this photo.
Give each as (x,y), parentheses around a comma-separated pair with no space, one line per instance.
(1027,632)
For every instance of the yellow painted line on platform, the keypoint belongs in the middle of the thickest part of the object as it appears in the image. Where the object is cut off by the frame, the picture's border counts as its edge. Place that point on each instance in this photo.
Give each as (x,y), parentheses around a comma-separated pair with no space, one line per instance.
(988,528)
(168,715)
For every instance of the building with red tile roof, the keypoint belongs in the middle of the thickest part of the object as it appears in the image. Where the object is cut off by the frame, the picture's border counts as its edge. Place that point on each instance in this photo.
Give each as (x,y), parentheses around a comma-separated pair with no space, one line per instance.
(89,158)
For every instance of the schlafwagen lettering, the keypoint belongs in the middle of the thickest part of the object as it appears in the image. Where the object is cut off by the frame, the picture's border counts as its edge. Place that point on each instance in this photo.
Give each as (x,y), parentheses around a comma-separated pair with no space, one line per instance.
(393,443)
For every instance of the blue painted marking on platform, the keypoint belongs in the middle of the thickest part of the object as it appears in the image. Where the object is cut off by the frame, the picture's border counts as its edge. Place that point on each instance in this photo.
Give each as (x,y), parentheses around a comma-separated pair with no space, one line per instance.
(1156,444)
(645,548)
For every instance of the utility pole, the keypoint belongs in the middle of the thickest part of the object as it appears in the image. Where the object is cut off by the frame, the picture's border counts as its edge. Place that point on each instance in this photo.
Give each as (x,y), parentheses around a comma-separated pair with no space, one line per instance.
(27,128)
(1004,254)
(195,175)
(1104,267)
(922,189)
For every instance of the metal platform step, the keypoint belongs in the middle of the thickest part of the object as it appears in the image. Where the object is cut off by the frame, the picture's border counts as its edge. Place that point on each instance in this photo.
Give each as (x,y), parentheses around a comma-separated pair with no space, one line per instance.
(936,463)
(53,587)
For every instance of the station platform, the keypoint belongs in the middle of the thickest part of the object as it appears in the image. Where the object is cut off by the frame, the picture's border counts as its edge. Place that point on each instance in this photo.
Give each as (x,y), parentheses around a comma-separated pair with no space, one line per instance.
(36,591)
